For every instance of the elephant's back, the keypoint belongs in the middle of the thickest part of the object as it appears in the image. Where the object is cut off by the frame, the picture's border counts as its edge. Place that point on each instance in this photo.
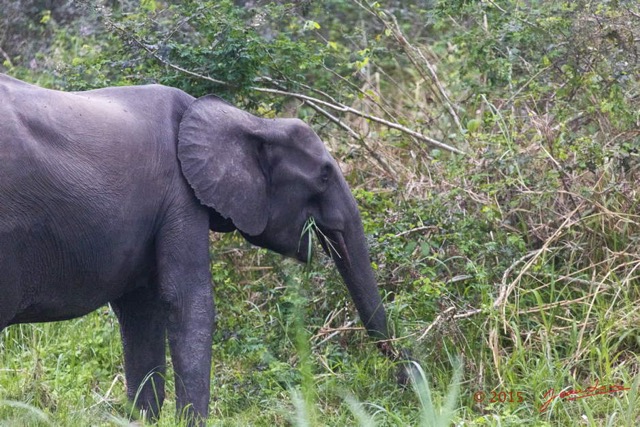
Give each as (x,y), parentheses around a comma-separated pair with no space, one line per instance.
(84,159)
(55,146)
(102,125)
(96,142)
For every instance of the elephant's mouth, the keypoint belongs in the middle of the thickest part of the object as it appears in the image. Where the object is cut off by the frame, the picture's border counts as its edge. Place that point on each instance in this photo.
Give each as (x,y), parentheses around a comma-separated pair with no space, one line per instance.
(331,240)
(304,253)
(306,247)
(332,243)
(324,242)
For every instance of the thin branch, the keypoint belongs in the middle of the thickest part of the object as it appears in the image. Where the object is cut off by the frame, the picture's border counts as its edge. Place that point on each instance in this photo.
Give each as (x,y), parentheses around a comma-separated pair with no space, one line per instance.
(512,14)
(413,230)
(446,315)
(548,306)
(332,332)
(435,322)
(413,54)
(387,168)
(280,84)
(432,72)
(4,54)
(333,106)
(355,135)
(469,313)
(346,109)
(507,288)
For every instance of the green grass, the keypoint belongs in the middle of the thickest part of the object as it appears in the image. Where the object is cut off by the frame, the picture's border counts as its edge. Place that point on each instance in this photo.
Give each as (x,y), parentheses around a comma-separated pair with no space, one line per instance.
(520,260)
(273,366)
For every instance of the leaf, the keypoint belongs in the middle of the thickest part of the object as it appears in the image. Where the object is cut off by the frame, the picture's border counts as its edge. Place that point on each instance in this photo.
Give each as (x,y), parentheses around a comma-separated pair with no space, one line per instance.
(473,125)
(410,247)
(148,5)
(311,25)
(425,249)
(46,17)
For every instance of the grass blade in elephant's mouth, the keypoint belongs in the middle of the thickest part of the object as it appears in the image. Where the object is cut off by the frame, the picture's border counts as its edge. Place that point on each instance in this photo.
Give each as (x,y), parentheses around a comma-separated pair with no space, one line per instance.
(326,243)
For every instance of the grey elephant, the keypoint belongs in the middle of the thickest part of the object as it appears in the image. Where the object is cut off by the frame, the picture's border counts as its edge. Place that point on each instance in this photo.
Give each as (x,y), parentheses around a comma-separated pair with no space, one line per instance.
(107,196)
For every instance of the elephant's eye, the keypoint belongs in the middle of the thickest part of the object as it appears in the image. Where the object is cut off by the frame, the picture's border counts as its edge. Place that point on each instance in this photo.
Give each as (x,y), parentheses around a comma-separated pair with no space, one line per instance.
(325,172)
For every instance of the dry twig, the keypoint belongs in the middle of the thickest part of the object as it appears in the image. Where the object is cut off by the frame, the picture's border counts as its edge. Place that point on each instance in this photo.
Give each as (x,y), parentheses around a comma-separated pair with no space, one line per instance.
(6,57)
(415,54)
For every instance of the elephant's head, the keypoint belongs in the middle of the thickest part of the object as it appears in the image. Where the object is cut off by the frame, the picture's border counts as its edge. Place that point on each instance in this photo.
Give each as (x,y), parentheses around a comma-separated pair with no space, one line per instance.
(267,177)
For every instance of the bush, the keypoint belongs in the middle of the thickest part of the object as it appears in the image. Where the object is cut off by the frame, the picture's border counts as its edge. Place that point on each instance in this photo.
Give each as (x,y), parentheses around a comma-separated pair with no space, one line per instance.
(520,255)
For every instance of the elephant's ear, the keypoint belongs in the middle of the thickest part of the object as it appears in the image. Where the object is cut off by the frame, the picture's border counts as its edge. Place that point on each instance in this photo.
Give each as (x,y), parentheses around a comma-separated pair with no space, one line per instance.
(218,153)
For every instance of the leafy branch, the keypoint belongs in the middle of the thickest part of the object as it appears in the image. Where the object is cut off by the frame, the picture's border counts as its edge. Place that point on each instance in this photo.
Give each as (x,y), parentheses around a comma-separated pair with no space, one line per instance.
(316,103)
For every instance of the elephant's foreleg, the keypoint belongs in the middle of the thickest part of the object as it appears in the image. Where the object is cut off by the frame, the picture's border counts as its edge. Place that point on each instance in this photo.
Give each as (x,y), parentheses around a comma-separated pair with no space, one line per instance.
(190,329)
(185,284)
(11,294)
(143,330)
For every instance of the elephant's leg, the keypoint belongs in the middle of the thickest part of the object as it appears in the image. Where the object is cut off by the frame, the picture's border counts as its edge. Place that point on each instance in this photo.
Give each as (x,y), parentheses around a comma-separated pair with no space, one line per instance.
(7,311)
(190,339)
(185,282)
(143,330)
(11,295)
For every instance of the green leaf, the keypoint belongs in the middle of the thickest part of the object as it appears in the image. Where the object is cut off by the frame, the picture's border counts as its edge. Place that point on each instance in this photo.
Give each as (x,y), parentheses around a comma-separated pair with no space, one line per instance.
(473,125)
(46,17)
(148,5)
(311,25)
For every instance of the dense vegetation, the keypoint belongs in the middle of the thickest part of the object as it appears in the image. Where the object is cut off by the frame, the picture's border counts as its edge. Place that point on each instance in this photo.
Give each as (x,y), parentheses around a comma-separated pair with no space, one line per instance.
(493,147)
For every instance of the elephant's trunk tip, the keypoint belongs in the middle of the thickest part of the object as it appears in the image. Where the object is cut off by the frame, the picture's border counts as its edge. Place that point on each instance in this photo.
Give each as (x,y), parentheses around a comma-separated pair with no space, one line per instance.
(389,351)
(406,363)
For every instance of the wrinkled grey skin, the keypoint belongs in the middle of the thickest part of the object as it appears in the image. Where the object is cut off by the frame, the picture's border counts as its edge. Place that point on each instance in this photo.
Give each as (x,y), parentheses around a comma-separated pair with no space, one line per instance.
(107,196)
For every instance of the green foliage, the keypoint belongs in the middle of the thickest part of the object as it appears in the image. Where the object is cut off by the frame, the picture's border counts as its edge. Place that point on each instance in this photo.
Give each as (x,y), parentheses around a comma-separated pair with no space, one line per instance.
(520,256)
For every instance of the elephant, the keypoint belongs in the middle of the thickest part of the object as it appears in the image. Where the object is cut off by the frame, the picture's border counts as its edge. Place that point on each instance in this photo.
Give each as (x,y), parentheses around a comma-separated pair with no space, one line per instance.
(109,195)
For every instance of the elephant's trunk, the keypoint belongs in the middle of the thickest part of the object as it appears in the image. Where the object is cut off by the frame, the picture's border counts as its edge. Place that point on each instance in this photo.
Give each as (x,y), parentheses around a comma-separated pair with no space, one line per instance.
(351,257)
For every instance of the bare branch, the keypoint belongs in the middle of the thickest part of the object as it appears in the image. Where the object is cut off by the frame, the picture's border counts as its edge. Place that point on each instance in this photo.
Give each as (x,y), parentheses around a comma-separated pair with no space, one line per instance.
(446,316)
(346,109)
(436,321)
(355,135)
(6,57)
(414,54)
(387,168)
(406,46)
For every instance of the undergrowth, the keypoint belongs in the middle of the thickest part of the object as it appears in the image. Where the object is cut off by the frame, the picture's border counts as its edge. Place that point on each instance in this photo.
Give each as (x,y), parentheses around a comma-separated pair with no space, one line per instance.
(519,259)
